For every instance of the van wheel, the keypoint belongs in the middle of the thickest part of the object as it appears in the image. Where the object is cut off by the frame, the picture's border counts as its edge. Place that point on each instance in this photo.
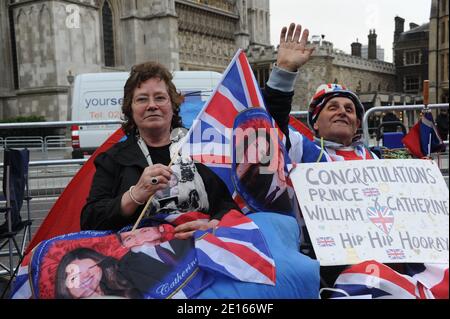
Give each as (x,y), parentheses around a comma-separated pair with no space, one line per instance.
(77,154)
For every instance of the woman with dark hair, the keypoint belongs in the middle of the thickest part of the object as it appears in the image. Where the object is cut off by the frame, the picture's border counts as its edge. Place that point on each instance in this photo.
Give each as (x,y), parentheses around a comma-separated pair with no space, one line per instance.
(129,173)
(85,273)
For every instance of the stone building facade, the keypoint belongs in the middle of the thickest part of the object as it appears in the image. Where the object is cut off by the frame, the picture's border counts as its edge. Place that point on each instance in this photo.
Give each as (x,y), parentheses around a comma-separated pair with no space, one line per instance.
(328,65)
(438,51)
(44,42)
(360,75)
(411,56)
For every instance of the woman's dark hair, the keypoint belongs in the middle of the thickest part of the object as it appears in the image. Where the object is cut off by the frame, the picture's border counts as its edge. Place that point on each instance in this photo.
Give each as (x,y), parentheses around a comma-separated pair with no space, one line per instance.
(112,282)
(139,74)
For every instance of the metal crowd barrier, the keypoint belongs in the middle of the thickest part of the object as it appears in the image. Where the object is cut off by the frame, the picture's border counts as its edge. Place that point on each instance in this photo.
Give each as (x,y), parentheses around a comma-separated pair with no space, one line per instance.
(379,109)
(56,124)
(47,143)
(30,142)
(56,141)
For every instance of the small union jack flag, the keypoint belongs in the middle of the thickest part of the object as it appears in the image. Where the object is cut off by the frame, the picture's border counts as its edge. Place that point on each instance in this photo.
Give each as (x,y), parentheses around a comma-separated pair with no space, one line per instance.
(370,192)
(396,254)
(382,217)
(326,242)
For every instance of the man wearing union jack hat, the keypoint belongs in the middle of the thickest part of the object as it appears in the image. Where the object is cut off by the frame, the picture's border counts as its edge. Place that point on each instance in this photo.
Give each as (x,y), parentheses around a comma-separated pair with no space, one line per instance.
(335,113)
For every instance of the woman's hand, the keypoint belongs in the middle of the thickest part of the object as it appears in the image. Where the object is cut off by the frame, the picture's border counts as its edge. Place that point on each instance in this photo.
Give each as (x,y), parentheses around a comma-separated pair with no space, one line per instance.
(186,230)
(146,187)
(141,192)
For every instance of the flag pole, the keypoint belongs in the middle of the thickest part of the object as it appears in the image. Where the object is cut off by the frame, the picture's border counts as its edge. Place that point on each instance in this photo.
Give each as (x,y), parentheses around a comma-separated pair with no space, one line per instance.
(426,100)
(426,93)
(153,195)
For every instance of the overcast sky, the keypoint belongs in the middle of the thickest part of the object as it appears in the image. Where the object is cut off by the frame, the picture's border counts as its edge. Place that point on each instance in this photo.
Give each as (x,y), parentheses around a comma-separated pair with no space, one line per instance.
(343,21)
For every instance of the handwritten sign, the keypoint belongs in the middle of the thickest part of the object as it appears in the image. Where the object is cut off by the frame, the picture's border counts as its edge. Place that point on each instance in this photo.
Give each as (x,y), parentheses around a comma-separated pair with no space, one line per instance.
(392,211)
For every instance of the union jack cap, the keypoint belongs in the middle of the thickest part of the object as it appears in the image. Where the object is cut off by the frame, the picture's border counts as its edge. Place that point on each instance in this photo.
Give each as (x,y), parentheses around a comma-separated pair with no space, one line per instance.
(324,93)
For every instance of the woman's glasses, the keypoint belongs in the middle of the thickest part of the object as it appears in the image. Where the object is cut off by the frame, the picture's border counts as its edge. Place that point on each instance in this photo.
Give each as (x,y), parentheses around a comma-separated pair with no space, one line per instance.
(144,100)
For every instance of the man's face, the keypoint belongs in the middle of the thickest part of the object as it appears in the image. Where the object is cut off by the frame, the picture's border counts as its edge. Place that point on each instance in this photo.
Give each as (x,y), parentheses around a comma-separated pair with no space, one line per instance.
(337,122)
(147,235)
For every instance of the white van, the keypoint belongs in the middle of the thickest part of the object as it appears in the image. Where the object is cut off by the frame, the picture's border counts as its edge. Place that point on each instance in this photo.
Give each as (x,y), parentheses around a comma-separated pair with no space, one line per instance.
(99,97)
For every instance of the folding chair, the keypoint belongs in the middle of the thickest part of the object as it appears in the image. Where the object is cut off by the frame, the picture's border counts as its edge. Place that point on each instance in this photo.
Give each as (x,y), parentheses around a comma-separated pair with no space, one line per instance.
(15,189)
(392,139)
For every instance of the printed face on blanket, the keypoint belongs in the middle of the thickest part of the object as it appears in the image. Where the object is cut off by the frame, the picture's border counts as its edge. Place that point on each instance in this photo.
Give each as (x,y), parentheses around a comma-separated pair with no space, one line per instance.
(259,169)
(85,273)
(143,236)
(105,264)
(335,113)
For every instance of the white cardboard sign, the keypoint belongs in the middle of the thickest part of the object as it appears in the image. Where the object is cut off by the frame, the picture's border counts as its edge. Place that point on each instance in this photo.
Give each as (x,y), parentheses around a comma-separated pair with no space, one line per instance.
(392,211)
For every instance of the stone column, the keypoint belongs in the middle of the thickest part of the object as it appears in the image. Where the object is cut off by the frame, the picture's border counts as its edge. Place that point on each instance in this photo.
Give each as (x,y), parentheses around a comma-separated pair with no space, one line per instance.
(154,34)
(242,36)
(6,66)
(259,28)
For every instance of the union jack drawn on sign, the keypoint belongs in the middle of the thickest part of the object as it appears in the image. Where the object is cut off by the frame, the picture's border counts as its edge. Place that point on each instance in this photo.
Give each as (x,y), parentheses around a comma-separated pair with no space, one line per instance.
(396,254)
(369,192)
(326,242)
(381,216)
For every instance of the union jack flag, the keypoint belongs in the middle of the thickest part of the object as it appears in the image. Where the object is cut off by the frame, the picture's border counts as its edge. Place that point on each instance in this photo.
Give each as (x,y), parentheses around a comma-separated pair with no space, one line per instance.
(236,244)
(382,217)
(369,192)
(431,276)
(209,141)
(326,242)
(380,281)
(396,254)
(423,138)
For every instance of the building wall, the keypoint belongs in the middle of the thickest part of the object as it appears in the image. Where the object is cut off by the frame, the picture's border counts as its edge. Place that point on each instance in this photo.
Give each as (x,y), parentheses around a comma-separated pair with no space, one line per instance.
(148,33)
(57,38)
(6,78)
(439,51)
(206,37)
(411,59)
(358,74)
(46,51)
(259,21)
(327,66)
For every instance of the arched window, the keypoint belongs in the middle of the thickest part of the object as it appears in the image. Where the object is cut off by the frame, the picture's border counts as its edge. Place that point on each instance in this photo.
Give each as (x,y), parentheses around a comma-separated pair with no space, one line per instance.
(369,88)
(359,87)
(108,34)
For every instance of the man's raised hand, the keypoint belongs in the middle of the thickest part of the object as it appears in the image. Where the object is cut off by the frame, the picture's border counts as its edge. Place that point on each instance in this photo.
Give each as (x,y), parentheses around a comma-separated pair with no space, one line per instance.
(293,51)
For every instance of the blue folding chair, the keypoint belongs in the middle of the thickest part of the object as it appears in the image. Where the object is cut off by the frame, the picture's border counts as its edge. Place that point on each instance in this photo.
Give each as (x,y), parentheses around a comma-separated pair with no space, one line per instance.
(391,139)
(15,190)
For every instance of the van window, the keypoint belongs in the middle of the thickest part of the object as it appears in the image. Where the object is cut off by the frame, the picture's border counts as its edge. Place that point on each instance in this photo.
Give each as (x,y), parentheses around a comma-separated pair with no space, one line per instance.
(192,105)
